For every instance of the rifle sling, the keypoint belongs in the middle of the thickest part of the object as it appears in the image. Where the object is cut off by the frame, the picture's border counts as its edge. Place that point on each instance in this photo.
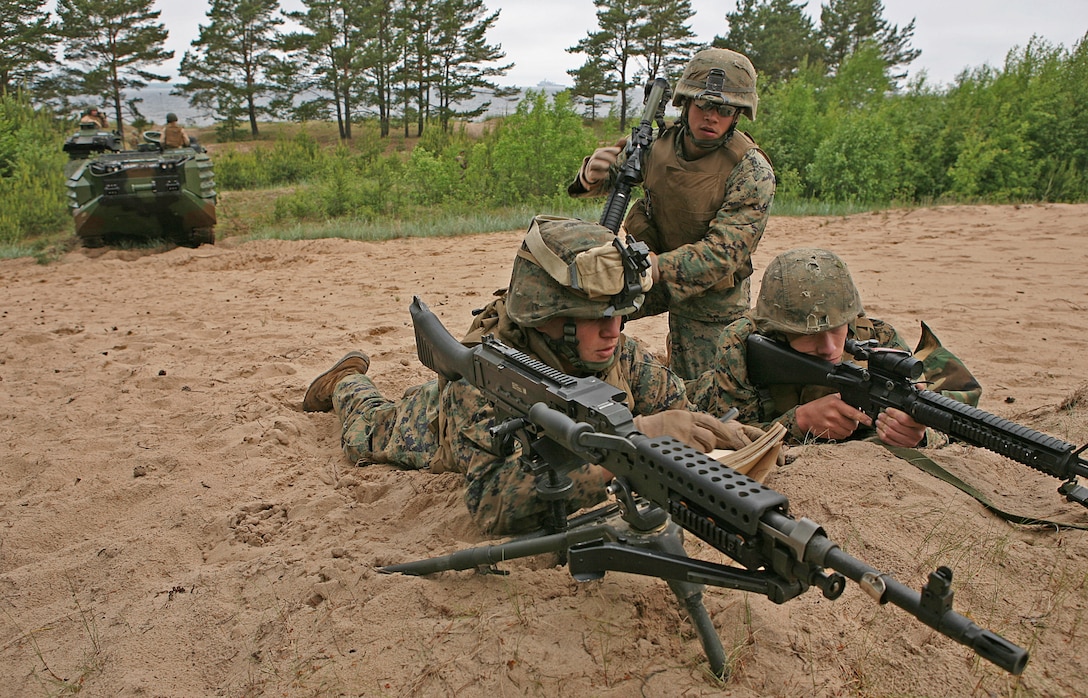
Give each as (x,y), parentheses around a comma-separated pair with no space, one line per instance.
(927,464)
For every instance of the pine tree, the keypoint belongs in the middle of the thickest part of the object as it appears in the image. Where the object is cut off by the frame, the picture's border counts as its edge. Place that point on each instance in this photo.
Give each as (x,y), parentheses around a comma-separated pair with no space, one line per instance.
(232,57)
(110,44)
(847,24)
(461,57)
(325,58)
(383,39)
(616,44)
(665,39)
(590,83)
(27,43)
(776,35)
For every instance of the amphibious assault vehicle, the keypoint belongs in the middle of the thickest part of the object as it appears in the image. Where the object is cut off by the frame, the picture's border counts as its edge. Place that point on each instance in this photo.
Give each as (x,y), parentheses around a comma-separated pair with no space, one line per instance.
(150,193)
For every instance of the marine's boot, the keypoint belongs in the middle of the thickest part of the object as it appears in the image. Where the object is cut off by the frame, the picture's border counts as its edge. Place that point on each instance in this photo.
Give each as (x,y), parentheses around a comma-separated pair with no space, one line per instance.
(319,394)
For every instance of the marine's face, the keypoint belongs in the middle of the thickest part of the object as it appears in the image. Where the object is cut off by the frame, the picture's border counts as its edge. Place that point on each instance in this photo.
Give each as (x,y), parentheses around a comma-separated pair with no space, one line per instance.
(827,345)
(706,121)
(597,339)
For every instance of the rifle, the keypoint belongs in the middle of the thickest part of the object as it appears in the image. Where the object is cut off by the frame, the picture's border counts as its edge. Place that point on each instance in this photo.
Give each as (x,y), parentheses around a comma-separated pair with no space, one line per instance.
(656,94)
(889,381)
(563,422)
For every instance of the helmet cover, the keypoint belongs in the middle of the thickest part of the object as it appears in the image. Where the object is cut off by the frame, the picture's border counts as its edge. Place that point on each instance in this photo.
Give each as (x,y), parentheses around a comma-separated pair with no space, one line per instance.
(567,267)
(806,291)
(720,76)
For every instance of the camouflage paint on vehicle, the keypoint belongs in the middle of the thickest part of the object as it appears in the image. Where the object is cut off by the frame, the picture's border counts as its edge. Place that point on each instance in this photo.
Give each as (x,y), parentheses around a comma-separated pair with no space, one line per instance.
(143,194)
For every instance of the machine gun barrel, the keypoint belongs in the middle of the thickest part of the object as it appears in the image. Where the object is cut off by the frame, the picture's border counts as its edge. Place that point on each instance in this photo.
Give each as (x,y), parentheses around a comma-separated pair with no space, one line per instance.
(933,606)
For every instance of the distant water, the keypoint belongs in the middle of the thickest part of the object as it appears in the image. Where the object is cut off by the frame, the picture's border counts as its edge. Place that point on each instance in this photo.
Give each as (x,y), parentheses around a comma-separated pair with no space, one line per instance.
(157,102)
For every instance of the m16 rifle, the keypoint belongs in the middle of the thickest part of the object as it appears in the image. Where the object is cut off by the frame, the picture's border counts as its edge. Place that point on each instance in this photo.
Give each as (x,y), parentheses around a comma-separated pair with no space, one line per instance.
(889,380)
(562,422)
(656,95)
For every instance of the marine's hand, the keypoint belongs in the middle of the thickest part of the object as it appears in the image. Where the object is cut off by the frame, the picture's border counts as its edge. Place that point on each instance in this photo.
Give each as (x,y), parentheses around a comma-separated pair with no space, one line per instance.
(734,435)
(699,430)
(897,428)
(600,162)
(829,417)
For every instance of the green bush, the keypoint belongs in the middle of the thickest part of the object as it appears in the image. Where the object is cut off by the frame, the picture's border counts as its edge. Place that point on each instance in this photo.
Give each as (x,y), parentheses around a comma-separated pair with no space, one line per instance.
(288,161)
(350,185)
(538,150)
(32,187)
(858,160)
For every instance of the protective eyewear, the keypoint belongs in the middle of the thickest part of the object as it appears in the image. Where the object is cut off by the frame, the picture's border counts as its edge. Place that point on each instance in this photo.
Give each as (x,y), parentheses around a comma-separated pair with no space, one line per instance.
(724,110)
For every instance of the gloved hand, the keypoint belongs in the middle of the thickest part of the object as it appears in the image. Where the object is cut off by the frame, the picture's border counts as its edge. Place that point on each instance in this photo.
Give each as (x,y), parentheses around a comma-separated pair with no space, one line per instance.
(700,430)
(735,436)
(598,164)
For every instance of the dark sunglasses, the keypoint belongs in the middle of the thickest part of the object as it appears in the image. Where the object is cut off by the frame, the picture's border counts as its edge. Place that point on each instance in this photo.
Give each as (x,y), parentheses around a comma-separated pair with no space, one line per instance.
(724,110)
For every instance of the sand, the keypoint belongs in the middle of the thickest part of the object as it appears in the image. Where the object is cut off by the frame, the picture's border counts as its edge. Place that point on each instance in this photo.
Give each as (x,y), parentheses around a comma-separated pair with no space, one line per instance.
(173,524)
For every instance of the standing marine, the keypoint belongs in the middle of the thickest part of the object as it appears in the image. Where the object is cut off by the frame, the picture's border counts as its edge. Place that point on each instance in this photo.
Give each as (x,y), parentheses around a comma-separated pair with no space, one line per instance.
(708,190)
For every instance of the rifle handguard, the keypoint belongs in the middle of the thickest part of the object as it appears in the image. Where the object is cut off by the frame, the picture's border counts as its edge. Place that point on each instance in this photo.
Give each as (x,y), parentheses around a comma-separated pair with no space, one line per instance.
(641,138)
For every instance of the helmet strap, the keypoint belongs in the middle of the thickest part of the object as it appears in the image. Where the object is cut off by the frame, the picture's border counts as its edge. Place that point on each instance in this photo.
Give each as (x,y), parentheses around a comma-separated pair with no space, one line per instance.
(567,349)
(570,333)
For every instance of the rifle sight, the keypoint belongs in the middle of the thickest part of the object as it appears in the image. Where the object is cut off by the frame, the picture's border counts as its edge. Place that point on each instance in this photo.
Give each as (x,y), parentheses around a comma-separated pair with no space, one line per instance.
(885,362)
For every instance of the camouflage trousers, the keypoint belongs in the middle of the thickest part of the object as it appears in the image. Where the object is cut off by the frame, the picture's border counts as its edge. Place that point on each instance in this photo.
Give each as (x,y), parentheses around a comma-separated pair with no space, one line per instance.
(693,345)
(375,429)
(501,497)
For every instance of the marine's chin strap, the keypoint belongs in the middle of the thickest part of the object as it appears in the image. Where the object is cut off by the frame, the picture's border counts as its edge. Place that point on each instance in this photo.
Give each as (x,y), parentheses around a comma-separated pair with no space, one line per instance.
(567,349)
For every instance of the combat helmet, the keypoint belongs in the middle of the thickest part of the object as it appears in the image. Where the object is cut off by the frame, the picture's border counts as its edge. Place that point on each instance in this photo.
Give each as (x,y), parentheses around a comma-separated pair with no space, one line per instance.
(720,76)
(572,268)
(171,117)
(805,291)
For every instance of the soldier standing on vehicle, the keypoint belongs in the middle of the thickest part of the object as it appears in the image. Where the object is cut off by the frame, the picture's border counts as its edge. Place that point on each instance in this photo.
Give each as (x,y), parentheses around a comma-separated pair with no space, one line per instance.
(708,191)
(808,299)
(173,135)
(95,117)
(572,322)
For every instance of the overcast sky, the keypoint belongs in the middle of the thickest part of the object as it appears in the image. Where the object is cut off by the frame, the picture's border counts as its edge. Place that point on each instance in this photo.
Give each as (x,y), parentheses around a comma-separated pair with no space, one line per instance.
(951,34)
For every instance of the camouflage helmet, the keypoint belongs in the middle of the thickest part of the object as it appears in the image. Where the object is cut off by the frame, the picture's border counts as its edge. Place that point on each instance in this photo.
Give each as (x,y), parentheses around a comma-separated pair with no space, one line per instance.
(806,291)
(570,268)
(171,117)
(719,76)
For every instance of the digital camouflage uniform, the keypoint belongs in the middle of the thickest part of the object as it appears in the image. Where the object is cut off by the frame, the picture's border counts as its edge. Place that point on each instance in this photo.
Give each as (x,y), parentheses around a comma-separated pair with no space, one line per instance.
(704,218)
(805,291)
(444,426)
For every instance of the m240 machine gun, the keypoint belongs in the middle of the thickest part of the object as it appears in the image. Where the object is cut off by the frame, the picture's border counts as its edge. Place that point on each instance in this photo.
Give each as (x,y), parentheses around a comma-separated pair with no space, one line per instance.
(662,486)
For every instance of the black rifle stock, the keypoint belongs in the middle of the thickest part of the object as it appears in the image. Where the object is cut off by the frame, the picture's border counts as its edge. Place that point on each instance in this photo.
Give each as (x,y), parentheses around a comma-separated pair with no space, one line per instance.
(889,381)
(564,422)
(642,137)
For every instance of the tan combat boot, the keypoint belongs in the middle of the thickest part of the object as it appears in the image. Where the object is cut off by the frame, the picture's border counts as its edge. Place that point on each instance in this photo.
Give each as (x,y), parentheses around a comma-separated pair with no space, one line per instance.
(319,395)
